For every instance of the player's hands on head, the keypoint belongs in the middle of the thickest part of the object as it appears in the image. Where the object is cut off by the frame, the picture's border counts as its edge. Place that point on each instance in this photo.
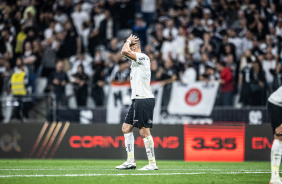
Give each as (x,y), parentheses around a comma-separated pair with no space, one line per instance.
(278,130)
(133,39)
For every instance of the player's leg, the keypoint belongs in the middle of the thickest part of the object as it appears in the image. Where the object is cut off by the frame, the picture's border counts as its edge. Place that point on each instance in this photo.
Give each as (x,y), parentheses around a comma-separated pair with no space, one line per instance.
(127,127)
(128,141)
(276,149)
(143,118)
(149,146)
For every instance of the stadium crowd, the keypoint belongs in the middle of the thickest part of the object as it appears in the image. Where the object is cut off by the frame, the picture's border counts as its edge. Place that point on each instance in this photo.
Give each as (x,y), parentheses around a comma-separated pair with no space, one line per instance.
(78,43)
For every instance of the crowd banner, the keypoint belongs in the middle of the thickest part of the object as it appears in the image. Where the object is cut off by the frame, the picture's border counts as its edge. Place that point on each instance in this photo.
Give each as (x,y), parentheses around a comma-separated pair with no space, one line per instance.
(193,99)
(119,97)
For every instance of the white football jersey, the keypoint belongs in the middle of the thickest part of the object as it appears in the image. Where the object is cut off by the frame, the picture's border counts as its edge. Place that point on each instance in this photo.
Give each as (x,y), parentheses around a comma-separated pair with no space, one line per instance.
(140,77)
(276,97)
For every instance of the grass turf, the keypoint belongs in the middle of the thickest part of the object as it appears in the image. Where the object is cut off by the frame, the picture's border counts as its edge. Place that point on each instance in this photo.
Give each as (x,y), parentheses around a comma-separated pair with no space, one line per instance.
(103,171)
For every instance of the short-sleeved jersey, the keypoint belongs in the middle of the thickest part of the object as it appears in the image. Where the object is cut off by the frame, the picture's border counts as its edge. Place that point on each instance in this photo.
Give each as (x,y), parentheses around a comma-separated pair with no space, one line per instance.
(276,97)
(140,77)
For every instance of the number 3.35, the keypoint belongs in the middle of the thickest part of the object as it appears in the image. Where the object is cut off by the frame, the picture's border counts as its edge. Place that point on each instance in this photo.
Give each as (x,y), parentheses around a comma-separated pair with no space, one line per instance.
(217,143)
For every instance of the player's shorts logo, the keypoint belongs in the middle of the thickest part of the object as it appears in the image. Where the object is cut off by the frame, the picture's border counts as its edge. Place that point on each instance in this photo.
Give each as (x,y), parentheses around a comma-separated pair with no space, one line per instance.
(193,97)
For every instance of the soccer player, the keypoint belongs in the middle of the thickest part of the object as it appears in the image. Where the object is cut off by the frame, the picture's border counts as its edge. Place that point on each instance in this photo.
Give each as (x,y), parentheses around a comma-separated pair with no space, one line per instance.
(140,113)
(274,107)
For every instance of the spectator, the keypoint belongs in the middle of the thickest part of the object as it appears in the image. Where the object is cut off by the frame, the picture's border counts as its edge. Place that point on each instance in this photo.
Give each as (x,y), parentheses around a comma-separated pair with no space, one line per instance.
(78,17)
(245,57)
(122,74)
(30,59)
(5,43)
(226,81)
(49,57)
(19,80)
(205,62)
(99,15)
(197,29)
(81,86)
(157,37)
(247,41)
(190,74)
(60,16)
(258,85)
(167,75)
(277,77)
(210,73)
(207,46)
(57,82)
(256,49)
(126,12)
(269,64)
(37,51)
(168,49)
(245,78)
(139,29)
(82,59)
(107,29)
(85,32)
(170,29)
(93,38)
(194,45)
(236,43)
(48,32)
(179,45)
(21,36)
(5,92)
(154,69)
(98,81)
(148,9)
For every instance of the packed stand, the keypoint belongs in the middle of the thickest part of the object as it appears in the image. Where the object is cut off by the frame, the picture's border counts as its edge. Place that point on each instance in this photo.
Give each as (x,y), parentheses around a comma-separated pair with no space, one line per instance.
(71,48)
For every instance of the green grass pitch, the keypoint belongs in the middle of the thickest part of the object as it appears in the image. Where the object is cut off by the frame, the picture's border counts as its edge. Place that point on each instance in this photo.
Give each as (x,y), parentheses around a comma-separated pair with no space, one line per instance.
(13,171)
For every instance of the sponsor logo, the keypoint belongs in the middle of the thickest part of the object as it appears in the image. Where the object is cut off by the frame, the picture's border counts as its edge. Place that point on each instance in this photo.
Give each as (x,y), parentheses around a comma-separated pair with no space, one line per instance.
(86,116)
(255,117)
(9,142)
(261,143)
(76,141)
(48,135)
(193,97)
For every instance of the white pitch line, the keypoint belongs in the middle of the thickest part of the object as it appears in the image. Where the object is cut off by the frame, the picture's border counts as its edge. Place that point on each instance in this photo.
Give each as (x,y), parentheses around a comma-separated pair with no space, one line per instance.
(89,169)
(103,169)
(74,175)
(132,174)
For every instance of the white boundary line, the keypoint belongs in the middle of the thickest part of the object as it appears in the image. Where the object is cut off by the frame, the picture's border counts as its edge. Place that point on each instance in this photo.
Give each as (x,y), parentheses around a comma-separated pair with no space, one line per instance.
(26,169)
(23,169)
(130,174)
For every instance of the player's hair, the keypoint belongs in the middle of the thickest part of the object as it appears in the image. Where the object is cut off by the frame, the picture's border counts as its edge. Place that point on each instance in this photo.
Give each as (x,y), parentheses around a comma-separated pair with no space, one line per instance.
(138,44)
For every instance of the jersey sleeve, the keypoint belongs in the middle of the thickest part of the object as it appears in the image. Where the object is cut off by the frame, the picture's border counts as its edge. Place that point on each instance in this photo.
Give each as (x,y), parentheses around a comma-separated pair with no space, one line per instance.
(142,58)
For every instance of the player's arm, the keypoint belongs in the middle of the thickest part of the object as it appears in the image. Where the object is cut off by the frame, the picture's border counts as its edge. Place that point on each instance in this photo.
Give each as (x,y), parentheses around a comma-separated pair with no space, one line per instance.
(126,51)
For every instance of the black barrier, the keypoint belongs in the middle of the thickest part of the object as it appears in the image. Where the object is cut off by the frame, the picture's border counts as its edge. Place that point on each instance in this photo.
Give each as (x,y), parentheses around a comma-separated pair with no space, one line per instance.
(100,141)
(258,142)
(254,116)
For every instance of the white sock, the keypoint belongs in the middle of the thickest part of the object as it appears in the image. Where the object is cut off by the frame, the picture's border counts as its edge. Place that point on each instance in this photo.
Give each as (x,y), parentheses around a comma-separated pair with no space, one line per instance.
(276,151)
(129,146)
(149,145)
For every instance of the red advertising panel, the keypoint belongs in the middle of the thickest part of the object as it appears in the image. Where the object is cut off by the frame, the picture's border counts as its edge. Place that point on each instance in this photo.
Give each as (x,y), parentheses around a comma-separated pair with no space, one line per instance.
(214,143)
